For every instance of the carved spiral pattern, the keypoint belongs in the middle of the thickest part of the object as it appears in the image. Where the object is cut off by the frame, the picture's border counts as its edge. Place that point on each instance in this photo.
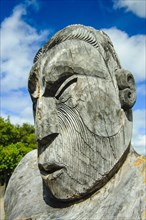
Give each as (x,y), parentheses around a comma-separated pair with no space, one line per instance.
(127,88)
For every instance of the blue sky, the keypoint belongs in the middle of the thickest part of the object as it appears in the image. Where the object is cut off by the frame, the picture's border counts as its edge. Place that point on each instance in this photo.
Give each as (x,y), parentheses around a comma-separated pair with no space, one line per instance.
(26,25)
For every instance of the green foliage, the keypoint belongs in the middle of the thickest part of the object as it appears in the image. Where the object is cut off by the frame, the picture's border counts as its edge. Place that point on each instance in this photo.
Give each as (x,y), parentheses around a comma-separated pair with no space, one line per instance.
(8,132)
(15,142)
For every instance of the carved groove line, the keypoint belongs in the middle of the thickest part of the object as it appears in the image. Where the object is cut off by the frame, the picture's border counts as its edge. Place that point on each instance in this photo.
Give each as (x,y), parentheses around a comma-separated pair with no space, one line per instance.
(38,54)
(77,127)
(95,138)
(80,34)
(72,123)
(65,114)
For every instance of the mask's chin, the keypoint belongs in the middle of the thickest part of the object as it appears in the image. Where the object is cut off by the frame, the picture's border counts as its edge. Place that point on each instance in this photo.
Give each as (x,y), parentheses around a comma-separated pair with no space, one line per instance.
(56,201)
(61,189)
(59,193)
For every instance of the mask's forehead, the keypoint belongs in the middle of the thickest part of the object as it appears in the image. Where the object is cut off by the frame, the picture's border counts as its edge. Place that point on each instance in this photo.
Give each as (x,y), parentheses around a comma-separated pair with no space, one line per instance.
(71,57)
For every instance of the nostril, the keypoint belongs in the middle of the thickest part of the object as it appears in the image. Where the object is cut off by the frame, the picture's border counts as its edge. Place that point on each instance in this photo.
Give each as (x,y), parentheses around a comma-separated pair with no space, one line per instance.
(42,169)
(47,168)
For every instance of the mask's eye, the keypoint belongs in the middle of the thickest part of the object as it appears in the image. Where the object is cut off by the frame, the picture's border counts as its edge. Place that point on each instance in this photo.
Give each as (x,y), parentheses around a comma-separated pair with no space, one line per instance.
(50,87)
(69,81)
(55,89)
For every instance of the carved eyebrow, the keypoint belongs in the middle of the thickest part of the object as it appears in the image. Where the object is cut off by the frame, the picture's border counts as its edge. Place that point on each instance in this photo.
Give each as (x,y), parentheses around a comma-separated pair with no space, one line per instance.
(65,85)
(51,87)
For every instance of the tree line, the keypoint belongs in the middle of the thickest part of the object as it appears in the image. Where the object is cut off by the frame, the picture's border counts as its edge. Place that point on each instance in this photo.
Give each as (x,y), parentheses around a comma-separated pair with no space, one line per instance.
(15,142)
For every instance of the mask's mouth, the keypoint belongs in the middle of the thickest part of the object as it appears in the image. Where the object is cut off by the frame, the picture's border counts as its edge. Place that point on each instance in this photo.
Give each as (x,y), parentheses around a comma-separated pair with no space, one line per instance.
(46,168)
(50,172)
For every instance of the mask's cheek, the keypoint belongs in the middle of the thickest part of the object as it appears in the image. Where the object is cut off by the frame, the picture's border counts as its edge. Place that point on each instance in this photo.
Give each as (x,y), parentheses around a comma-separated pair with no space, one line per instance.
(67,149)
(97,102)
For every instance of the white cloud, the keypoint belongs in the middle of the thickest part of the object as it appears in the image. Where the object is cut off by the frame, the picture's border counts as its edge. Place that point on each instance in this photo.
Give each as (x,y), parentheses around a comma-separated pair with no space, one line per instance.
(15,101)
(139,131)
(141,89)
(138,7)
(130,50)
(19,43)
(24,117)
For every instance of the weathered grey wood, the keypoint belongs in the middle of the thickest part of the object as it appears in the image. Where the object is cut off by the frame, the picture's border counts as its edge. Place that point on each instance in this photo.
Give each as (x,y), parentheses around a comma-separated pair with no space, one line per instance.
(83,120)
(123,197)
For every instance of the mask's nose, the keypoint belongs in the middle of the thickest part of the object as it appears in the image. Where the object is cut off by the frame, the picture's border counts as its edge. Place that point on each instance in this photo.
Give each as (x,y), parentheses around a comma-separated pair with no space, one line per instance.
(46,119)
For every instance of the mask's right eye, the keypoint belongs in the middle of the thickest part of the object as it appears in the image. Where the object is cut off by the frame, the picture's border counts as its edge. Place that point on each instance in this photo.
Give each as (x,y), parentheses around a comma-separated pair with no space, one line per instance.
(51,87)
(68,82)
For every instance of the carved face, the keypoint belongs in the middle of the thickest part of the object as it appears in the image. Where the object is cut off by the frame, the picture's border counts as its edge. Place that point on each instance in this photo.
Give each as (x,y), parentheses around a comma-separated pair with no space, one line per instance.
(81,129)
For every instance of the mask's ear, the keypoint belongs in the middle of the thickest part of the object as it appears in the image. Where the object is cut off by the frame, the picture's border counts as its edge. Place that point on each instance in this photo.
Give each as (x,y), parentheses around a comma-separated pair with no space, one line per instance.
(127,88)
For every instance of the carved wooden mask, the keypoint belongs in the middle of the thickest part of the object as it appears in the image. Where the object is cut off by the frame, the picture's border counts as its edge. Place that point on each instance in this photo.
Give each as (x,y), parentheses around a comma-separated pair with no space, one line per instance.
(82,102)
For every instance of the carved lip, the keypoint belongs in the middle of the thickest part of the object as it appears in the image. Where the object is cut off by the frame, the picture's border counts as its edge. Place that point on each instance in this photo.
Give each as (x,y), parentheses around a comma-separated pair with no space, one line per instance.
(46,169)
